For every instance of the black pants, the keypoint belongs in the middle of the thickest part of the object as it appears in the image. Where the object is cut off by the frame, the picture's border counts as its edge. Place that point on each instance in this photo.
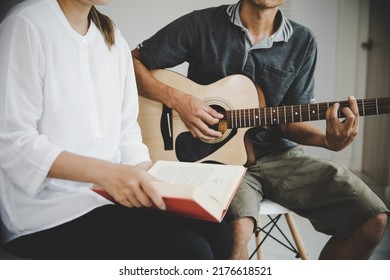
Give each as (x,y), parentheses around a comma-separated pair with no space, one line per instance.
(117,232)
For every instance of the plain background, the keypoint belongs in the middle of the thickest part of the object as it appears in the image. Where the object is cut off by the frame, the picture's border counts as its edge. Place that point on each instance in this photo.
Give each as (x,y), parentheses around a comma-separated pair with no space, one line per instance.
(338,52)
(340,27)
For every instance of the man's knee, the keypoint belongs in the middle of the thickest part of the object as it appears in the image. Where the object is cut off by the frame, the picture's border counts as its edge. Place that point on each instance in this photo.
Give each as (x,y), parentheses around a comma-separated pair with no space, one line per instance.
(244,225)
(374,228)
(380,221)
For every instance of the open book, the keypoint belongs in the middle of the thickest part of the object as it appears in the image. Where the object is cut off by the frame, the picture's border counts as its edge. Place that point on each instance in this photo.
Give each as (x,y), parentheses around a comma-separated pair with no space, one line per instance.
(195,190)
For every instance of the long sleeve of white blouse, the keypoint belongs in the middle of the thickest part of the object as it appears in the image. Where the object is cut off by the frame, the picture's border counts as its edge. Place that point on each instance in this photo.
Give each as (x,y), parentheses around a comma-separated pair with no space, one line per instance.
(25,155)
(33,133)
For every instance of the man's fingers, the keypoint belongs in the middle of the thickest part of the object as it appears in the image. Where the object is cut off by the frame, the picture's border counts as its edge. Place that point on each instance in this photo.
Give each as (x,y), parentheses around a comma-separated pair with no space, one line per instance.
(214,115)
(202,131)
(355,110)
(353,105)
(349,117)
(332,119)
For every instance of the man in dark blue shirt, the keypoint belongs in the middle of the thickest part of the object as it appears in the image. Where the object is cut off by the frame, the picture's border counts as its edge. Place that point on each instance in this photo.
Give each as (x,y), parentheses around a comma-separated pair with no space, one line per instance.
(255,39)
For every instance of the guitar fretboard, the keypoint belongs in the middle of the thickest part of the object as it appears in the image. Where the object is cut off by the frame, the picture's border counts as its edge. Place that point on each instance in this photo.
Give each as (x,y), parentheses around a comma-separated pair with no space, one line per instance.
(301,113)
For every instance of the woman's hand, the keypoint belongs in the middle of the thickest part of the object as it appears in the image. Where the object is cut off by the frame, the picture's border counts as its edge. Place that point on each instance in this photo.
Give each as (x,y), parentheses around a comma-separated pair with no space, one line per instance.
(128,185)
(131,186)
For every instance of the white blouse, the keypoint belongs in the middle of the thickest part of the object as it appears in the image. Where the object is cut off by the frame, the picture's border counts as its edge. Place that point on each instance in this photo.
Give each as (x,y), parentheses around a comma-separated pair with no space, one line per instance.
(59,91)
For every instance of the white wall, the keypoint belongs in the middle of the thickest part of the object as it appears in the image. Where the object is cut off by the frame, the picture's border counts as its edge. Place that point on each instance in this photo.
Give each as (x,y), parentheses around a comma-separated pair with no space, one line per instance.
(351,68)
(335,23)
(139,20)
(340,27)
(322,18)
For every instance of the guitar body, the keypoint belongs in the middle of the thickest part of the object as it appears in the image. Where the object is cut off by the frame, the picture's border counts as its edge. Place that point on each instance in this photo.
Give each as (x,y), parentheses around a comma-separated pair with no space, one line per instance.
(245,112)
(168,138)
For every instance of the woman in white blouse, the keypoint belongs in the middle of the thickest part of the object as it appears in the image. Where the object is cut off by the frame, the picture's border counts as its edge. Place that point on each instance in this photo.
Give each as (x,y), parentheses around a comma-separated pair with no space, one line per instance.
(68,110)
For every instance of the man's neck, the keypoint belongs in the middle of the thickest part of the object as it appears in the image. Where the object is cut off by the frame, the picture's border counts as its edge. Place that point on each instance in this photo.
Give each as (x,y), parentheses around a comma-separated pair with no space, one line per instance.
(76,14)
(261,22)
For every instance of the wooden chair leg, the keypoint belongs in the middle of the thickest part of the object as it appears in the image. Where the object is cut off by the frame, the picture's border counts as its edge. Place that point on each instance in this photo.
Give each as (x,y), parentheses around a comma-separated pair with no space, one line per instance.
(296,236)
(259,252)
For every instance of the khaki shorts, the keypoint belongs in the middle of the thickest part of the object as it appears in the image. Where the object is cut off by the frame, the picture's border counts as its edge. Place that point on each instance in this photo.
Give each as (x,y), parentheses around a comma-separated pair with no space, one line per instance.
(334,200)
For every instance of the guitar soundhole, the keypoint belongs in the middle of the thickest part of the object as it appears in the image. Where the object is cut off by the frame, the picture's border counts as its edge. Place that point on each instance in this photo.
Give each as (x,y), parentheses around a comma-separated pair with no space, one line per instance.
(194,149)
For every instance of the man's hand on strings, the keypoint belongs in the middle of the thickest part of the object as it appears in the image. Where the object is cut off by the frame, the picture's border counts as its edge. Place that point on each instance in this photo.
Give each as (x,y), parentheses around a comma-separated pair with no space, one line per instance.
(339,134)
(198,117)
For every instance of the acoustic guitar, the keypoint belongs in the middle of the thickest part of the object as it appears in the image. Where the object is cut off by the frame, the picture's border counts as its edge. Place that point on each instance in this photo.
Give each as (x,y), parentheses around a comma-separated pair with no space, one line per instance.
(243,105)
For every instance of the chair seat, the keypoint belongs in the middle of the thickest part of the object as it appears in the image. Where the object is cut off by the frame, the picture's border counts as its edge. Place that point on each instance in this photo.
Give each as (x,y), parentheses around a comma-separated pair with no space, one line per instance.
(274,212)
(268,207)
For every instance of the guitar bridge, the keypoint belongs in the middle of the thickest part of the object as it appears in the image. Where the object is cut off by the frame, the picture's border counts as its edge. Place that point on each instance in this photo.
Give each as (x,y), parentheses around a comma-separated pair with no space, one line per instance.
(166,128)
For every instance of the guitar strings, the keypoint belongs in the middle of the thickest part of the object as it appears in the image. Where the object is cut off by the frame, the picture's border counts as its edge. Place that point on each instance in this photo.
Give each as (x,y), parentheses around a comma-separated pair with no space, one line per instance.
(298,113)
(262,116)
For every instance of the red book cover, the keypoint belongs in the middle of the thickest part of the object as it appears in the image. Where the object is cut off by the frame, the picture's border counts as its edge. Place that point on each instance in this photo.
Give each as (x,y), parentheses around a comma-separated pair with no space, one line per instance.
(183,207)
(194,190)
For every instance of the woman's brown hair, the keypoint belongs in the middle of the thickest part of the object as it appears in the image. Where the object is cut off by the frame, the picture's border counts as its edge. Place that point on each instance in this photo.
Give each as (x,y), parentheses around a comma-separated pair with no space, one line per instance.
(104,24)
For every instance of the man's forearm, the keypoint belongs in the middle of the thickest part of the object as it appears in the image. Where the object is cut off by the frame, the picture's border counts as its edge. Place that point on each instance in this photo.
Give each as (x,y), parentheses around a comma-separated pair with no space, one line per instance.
(304,133)
(148,86)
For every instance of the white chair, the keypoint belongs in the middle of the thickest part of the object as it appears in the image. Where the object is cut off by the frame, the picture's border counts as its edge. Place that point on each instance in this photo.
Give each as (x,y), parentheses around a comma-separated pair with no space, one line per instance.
(274,212)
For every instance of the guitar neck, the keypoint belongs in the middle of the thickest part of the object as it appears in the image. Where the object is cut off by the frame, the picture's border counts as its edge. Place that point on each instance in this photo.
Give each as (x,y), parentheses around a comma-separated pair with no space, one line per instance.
(300,113)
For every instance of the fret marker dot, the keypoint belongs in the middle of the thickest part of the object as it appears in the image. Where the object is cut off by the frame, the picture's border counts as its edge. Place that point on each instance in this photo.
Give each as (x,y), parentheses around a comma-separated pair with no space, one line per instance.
(296,113)
(314,112)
